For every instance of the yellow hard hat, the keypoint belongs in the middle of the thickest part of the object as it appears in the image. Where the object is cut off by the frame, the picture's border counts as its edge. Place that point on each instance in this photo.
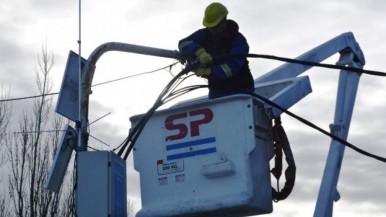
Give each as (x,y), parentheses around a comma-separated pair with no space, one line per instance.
(214,14)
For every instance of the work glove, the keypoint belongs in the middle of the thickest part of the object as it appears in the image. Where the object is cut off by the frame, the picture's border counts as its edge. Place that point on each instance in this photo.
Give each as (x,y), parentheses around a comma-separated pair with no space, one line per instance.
(202,72)
(203,56)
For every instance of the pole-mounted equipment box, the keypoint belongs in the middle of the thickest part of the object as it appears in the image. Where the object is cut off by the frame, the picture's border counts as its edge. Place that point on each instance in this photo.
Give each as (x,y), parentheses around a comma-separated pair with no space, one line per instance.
(101,187)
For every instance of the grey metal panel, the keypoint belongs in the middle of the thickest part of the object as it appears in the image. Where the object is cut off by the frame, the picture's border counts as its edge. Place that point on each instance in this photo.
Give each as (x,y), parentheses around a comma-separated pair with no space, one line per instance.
(68,100)
(101,185)
(61,160)
(93,180)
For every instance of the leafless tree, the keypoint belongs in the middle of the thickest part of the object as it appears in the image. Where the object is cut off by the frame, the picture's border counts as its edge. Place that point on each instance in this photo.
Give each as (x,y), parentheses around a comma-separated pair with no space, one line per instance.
(30,152)
(68,200)
(17,153)
(5,118)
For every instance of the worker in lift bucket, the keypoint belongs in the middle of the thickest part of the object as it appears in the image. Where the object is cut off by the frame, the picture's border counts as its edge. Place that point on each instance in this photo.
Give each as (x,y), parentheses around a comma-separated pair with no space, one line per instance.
(221,50)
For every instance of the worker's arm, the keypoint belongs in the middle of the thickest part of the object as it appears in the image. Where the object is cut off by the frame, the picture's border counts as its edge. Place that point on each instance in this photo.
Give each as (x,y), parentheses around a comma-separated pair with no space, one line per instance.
(189,45)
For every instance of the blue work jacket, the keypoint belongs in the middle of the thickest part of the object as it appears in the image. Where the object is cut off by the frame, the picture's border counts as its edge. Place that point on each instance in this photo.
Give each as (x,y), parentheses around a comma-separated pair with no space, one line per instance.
(230,73)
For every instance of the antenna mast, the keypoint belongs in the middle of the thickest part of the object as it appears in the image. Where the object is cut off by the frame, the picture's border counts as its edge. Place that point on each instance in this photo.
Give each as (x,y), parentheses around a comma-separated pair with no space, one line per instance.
(79,131)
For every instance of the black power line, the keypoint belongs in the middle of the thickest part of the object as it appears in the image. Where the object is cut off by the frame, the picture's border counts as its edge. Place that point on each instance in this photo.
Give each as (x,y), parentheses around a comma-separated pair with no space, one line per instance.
(310,124)
(263,56)
(129,142)
(323,65)
(99,84)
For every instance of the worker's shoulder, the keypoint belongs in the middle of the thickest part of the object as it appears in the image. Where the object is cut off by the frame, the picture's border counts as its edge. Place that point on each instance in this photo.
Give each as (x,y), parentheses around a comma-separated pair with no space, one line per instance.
(234,30)
(232,26)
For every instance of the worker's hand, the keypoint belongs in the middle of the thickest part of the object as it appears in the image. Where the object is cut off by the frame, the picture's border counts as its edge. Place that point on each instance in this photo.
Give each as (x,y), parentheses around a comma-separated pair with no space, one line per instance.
(203,56)
(202,72)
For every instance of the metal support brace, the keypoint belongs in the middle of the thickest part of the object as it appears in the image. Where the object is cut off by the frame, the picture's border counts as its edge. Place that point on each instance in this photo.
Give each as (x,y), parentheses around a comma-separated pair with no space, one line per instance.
(88,74)
(347,89)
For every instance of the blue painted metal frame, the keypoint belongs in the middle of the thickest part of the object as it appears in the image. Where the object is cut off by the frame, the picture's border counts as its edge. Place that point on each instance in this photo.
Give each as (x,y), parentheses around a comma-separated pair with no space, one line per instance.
(350,55)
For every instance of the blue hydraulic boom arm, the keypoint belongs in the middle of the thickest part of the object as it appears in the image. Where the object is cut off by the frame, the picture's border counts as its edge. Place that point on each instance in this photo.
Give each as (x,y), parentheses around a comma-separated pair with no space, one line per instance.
(350,55)
(340,44)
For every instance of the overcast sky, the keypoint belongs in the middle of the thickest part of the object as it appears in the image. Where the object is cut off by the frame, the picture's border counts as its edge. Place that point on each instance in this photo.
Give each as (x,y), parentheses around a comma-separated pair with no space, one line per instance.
(285,28)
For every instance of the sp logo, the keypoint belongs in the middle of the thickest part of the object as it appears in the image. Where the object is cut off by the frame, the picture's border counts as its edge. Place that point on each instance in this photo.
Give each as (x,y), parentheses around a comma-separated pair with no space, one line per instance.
(177,122)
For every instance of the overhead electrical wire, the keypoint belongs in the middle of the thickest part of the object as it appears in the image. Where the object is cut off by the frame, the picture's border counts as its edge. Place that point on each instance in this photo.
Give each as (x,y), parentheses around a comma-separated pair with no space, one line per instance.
(98,84)
(263,56)
(310,124)
(27,97)
(130,140)
(323,65)
(131,76)
(137,129)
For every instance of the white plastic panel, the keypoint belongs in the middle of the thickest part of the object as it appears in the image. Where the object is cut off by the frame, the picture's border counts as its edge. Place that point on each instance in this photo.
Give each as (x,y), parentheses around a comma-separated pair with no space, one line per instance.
(204,159)
(285,93)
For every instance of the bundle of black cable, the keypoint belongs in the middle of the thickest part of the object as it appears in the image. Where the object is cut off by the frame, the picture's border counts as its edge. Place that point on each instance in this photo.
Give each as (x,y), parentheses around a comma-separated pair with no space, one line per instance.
(281,144)
(137,129)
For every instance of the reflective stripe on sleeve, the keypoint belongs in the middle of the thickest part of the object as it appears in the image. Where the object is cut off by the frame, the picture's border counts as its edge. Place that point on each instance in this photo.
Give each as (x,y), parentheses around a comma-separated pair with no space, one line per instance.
(183,44)
(227,70)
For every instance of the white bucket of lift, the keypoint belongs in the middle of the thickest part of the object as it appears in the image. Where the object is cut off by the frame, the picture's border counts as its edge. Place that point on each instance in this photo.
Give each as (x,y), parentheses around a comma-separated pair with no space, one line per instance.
(205,158)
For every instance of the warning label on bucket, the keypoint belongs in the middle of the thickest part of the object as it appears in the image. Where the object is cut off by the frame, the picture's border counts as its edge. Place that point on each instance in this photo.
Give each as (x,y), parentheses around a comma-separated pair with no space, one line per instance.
(169,167)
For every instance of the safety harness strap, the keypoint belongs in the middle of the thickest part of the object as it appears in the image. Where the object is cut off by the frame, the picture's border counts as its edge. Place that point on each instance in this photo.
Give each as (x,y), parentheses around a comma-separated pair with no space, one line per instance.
(281,144)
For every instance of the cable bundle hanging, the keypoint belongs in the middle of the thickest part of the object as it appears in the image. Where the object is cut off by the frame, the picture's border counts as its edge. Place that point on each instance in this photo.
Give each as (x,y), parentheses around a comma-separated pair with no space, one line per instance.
(282,145)
(167,94)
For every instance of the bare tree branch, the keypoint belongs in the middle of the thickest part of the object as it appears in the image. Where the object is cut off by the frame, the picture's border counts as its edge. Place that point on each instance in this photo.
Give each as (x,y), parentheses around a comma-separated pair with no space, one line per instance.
(5,118)
(30,154)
